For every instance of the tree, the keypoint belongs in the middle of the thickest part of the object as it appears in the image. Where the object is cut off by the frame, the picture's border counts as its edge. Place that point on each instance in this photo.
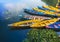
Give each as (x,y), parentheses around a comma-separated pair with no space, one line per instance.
(41,35)
(51,2)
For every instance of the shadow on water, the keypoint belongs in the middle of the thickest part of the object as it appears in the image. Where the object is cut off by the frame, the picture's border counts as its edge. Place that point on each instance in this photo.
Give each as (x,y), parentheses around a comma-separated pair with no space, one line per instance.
(27,27)
(19,28)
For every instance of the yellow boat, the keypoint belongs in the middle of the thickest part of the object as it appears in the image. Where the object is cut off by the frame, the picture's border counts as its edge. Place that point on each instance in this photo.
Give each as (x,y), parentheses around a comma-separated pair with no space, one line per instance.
(45,23)
(24,23)
(51,8)
(45,12)
(34,23)
(39,10)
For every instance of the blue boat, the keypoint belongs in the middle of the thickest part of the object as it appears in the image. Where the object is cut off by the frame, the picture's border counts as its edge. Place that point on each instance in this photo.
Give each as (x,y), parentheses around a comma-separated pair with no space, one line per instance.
(32,12)
(41,7)
(55,25)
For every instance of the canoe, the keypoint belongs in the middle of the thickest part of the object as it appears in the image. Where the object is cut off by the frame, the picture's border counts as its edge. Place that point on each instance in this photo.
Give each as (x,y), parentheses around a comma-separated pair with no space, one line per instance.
(51,8)
(47,12)
(55,25)
(33,12)
(44,11)
(34,23)
(24,23)
(41,7)
(36,17)
(45,23)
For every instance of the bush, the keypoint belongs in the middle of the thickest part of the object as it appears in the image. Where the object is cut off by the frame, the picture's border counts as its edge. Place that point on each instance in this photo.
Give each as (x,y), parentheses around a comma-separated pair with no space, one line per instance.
(41,35)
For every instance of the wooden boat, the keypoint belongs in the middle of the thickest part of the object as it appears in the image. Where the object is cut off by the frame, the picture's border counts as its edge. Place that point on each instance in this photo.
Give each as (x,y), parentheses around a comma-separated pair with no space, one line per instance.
(45,23)
(47,12)
(34,23)
(55,25)
(32,12)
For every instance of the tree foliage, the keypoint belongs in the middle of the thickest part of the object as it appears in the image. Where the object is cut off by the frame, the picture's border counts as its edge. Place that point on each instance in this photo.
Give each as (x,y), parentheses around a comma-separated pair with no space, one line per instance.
(41,35)
(51,2)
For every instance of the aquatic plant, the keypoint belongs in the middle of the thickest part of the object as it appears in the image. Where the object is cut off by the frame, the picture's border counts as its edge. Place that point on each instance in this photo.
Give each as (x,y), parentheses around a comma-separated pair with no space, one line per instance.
(41,35)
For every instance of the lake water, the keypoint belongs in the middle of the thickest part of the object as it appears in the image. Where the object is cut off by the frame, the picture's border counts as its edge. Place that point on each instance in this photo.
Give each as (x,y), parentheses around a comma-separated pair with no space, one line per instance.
(8,35)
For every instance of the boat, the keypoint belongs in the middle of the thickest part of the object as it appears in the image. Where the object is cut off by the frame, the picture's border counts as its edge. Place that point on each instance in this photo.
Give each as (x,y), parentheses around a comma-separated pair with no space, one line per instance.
(36,17)
(54,25)
(24,23)
(44,11)
(45,23)
(41,7)
(34,23)
(51,8)
(47,12)
(33,12)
